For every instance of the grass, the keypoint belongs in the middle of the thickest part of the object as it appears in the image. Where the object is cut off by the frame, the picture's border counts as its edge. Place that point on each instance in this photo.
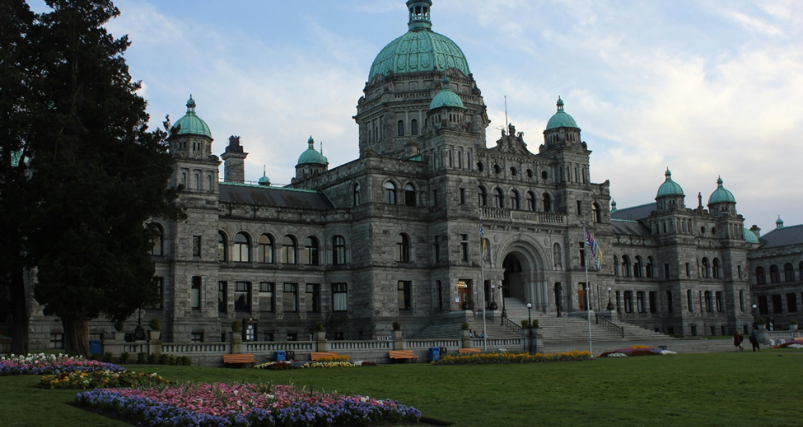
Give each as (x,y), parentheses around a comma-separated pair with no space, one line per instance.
(718,389)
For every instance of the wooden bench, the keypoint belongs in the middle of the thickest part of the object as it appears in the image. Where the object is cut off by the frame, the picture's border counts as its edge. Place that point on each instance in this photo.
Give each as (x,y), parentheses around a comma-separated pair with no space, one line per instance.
(314,356)
(238,359)
(467,350)
(401,355)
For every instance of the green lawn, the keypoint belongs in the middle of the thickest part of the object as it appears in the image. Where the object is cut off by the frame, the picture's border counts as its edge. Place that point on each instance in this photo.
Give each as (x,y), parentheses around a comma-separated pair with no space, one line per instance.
(719,389)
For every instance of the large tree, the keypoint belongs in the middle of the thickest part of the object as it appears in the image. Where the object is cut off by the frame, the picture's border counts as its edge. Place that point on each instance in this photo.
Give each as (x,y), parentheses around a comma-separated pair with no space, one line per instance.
(99,173)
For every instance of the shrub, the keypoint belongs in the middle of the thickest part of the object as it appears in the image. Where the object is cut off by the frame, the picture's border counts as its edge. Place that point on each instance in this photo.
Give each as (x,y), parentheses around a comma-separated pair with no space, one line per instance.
(525,324)
(464,326)
(535,324)
(793,322)
(124,357)
(343,358)
(152,360)
(318,327)
(235,326)
(184,361)
(396,326)
(154,324)
(107,357)
(761,321)
(167,359)
(142,358)
(118,326)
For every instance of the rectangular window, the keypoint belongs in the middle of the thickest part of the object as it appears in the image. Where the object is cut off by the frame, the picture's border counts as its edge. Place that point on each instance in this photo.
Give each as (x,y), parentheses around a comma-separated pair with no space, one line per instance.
(403,295)
(436,249)
(222,294)
(719,301)
(160,290)
(653,302)
(464,247)
(340,297)
(739,270)
(266,297)
(462,196)
(434,199)
(582,255)
(640,301)
(196,246)
(618,302)
(670,307)
(197,337)
(763,308)
(242,297)
(292,336)
(666,271)
(289,298)
(690,300)
(579,207)
(313,298)
(195,293)
(628,301)
(688,270)
(741,301)
(708,304)
(57,341)
(791,303)
(776,304)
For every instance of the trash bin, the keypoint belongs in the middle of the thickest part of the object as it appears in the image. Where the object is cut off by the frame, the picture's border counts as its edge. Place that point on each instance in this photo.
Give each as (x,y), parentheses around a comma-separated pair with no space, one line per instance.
(279,356)
(434,354)
(94,346)
(291,355)
(442,352)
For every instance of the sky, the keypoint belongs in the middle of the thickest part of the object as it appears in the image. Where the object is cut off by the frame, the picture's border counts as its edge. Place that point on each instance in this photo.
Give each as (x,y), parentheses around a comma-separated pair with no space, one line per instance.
(706,88)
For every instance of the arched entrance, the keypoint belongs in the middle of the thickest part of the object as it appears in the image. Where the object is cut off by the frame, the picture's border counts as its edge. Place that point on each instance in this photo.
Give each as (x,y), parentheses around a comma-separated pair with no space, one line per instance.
(512,283)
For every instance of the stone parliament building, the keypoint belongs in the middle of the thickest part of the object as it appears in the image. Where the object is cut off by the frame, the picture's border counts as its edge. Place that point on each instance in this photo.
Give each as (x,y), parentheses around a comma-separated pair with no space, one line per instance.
(394,234)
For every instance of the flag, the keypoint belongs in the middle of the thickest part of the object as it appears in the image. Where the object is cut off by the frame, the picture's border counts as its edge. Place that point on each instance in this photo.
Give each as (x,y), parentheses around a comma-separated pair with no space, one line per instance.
(482,235)
(591,244)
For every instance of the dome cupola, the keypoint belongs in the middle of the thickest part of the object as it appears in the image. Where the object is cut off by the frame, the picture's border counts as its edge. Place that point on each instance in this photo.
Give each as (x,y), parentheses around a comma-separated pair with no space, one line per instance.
(446,98)
(561,119)
(779,222)
(191,124)
(721,194)
(669,187)
(311,156)
(264,180)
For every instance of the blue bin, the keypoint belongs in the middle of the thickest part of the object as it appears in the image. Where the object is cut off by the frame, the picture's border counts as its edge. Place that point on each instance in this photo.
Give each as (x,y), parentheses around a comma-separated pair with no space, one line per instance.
(94,346)
(279,356)
(434,354)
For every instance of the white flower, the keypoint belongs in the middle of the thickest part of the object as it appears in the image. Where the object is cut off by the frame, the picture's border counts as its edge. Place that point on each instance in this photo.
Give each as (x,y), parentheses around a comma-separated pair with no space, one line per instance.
(668,352)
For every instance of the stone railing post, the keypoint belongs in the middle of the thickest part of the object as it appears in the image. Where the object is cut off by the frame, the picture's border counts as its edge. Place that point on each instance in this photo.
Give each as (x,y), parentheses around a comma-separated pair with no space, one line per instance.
(398,340)
(236,343)
(466,341)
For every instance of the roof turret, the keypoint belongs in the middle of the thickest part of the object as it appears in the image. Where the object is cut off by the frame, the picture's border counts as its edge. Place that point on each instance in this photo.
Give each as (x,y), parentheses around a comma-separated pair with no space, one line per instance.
(779,222)
(669,187)
(264,180)
(446,98)
(561,119)
(721,194)
(191,124)
(310,156)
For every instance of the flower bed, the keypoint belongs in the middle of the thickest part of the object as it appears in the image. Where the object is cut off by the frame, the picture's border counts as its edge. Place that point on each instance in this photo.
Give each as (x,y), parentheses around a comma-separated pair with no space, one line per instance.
(275,366)
(339,358)
(100,379)
(52,364)
(487,358)
(796,343)
(245,405)
(636,350)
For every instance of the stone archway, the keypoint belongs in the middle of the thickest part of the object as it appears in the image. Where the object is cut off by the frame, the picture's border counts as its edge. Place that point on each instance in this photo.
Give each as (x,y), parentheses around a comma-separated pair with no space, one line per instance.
(513,285)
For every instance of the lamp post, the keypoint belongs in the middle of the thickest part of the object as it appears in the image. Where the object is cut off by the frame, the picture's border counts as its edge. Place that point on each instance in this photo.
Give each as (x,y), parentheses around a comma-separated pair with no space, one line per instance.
(504,310)
(530,328)
(493,305)
(529,313)
(755,323)
(610,304)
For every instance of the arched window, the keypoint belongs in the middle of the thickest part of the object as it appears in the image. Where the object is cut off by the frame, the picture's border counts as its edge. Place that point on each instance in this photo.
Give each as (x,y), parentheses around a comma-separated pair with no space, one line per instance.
(716,268)
(626,266)
(558,257)
(637,267)
(265,251)
(357,194)
(482,197)
(338,250)
(499,198)
(401,127)
(414,127)
(221,248)
(158,240)
(402,248)
(515,200)
(241,250)
(209,185)
(547,203)
(409,195)
(390,193)
(789,272)
(616,266)
(706,269)
(650,268)
(761,278)
(311,251)
(531,201)
(197,182)
(595,212)
(775,274)
(288,250)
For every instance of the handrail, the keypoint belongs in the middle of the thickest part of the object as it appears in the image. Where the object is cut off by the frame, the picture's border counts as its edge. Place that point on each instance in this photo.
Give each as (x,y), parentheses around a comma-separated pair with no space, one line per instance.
(607,324)
(511,326)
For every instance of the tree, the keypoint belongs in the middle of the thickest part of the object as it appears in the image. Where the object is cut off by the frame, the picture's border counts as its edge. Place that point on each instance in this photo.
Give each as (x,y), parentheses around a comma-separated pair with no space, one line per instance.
(99,174)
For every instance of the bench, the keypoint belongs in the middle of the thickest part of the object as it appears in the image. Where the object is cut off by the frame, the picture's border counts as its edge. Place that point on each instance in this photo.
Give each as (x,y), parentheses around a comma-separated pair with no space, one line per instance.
(467,350)
(401,355)
(315,356)
(238,358)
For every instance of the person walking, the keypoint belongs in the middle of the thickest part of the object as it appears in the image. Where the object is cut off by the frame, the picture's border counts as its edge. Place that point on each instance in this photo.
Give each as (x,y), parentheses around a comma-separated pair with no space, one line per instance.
(737,341)
(754,339)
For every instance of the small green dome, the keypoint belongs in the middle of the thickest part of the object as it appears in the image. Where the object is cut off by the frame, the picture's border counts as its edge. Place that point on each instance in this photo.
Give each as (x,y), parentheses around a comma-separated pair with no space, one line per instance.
(191,124)
(721,194)
(446,98)
(669,187)
(750,237)
(561,119)
(310,156)
(264,180)
(420,49)
(779,222)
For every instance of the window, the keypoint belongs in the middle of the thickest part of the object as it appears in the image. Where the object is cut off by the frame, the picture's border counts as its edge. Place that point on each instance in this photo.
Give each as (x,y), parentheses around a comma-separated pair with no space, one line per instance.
(436,249)
(196,246)
(158,240)
(690,301)
(390,193)
(401,128)
(482,197)
(266,303)
(688,270)
(628,301)
(480,167)
(531,201)
(708,304)
(718,296)
(499,198)
(464,247)
(288,250)
(579,208)
(791,303)
(653,302)
(56,341)
(221,248)
(625,266)
(409,195)
(557,256)
(741,301)
(313,298)
(402,248)
(637,267)
(760,277)
(311,251)
(706,269)
(775,276)
(716,269)
(292,336)
(547,203)
(222,297)
(357,194)
(777,304)
(582,254)
(340,300)
(240,251)
(403,294)
(414,127)
(242,297)
(197,337)
(669,303)
(497,169)
(650,269)
(666,271)
(338,250)
(640,301)
(789,272)
(513,171)
(595,213)
(462,196)
(265,249)
(289,298)
(515,200)
(195,293)
(763,308)
(618,303)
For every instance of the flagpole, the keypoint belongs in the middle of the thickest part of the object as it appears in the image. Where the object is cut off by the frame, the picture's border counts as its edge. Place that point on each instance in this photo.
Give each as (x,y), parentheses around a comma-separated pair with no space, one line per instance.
(482,283)
(588,289)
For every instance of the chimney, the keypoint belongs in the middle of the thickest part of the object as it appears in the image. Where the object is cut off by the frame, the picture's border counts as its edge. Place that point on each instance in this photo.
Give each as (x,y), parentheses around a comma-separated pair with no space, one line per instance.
(234,161)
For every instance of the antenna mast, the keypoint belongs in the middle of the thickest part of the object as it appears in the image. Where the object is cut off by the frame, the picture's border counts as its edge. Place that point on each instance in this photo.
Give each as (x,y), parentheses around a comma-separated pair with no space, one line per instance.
(507,124)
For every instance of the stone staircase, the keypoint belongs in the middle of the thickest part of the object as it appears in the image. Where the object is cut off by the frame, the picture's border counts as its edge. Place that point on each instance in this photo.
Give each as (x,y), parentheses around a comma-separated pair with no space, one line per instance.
(454,330)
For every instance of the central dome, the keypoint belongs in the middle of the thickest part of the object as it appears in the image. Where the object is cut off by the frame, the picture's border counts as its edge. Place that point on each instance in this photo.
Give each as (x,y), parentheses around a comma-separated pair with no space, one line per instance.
(420,49)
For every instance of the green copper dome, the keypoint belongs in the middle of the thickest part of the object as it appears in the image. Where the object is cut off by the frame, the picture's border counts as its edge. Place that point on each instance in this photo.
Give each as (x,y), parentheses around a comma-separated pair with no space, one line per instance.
(669,187)
(420,49)
(310,156)
(192,124)
(446,98)
(264,180)
(750,237)
(721,194)
(561,119)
